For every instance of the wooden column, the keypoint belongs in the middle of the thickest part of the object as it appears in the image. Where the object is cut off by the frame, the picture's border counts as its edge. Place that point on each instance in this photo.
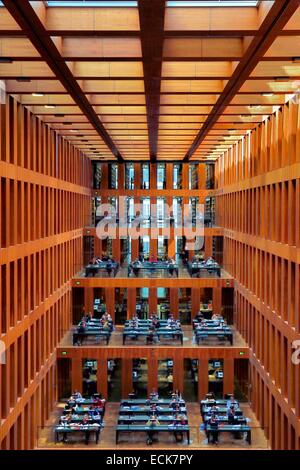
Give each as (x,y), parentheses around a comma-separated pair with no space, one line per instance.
(153,247)
(174,302)
(201,176)
(89,299)
(121,176)
(202,378)
(153,176)
(185,176)
(152,372)
(102,377)
(110,301)
(228,381)
(76,374)
(137,176)
(208,249)
(127,386)
(116,249)
(131,301)
(104,176)
(169,176)
(217,299)
(178,372)
(196,297)
(171,240)
(97,246)
(134,249)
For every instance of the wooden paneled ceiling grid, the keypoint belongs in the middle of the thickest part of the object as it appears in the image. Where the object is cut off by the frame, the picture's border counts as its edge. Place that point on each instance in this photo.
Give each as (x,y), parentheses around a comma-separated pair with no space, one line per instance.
(151,81)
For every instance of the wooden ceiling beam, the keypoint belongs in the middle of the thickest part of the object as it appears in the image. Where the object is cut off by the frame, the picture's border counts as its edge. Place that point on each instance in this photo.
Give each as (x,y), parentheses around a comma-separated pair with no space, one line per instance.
(275,20)
(26,17)
(152,17)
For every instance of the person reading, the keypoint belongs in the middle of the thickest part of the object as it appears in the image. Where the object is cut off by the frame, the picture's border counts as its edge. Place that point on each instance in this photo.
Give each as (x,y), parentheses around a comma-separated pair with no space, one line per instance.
(152,423)
(213,422)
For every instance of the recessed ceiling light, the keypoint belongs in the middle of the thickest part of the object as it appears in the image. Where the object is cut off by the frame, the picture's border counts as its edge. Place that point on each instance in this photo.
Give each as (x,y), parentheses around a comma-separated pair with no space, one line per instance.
(267,94)
(74,130)
(49,106)
(37,94)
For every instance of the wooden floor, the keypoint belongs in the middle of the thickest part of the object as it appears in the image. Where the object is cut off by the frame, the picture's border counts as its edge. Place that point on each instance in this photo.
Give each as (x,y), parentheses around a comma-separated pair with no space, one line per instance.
(188,341)
(138,441)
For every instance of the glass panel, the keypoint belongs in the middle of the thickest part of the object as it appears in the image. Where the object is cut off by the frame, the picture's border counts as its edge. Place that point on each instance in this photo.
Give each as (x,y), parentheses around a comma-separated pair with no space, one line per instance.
(161,176)
(113,176)
(177,176)
(129,176)
(97,173)
(193,177)
(145,176)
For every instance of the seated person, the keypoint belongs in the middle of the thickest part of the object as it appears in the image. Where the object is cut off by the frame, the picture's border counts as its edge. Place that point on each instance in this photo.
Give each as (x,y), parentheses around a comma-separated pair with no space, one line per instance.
(176,407)
(174,403)
(216,316)
(109,267)
(76,395)
(176,394)
(152,423)
(65,421)
(135,318)
(153,408)
(136,265)
(199,315)
(171,266)
(214,408)
(153,259)
(154,395)
(180,419)
(93,261)
(85,419)
(232,402)
(93,411)
(213,422)
(150,337)
(108,317)
(231,415)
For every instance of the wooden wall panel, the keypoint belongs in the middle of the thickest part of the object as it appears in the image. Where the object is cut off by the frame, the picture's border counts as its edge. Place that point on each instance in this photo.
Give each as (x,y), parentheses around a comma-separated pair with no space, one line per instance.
(258,207)
(45,199)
